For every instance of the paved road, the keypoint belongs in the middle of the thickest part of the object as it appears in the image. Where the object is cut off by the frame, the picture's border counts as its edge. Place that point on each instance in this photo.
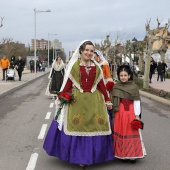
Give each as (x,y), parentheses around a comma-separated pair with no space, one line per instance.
(26,114)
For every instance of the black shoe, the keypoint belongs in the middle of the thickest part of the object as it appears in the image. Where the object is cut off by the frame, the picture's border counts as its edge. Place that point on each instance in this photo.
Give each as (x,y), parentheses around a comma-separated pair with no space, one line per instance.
(133,161)
(150,81)
(19,79)
(125,160)
(3,79)
(83,166)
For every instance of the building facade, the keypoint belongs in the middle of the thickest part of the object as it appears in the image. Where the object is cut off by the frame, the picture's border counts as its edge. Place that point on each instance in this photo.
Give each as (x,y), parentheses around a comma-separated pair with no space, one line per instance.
(40,44)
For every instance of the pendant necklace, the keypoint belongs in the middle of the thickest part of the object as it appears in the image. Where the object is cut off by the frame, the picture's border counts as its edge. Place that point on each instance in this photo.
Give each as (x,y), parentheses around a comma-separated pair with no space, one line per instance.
(87,69)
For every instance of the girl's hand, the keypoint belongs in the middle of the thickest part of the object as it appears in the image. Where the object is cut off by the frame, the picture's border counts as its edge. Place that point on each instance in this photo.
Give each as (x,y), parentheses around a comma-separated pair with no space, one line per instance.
(137,117)
(109,105)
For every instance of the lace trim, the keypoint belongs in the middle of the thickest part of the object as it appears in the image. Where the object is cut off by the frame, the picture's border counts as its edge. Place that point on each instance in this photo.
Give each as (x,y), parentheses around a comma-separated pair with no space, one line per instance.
(95,86)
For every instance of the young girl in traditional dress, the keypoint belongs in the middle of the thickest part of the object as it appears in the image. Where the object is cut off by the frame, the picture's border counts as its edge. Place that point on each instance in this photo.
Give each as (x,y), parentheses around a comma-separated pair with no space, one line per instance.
(128,144)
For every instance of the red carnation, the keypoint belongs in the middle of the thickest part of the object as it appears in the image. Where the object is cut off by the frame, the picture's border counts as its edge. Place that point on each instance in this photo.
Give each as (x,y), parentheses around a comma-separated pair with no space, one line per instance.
(64,98)
(67,96)
(137,124)
(109,85)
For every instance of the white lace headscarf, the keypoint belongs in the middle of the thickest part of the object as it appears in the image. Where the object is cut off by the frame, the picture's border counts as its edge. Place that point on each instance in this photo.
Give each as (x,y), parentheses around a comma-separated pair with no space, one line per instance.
(73,59)
(101,56)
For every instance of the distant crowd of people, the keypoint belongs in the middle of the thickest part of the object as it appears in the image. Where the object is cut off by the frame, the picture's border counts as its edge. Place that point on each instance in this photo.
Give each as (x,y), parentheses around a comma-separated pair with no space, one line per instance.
(18,64)
(160,67)
(40,65)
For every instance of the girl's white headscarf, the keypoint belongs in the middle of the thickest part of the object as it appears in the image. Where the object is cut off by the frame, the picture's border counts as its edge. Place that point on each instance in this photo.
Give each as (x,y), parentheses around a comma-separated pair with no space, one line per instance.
(101,56)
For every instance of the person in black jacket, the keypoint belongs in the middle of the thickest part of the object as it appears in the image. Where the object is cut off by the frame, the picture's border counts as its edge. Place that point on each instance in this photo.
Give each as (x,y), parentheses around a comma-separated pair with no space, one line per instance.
(19,65)
(159,69)
(153,66)
(164,66)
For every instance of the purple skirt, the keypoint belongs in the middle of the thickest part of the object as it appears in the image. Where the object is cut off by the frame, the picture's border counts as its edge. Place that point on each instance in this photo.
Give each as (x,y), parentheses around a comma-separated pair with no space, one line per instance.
(84,150)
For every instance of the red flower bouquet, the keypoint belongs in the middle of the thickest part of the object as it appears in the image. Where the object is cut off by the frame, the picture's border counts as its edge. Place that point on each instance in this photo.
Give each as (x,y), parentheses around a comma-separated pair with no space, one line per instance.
(64,98)
(137,124)
(109,85)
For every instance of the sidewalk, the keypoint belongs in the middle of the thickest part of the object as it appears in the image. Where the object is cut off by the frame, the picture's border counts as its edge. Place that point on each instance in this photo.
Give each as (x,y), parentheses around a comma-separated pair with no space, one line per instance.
(9,86)
(165,85)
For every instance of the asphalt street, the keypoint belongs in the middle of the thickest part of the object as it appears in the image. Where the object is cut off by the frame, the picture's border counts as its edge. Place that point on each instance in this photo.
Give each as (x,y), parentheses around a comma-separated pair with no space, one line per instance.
(26,114)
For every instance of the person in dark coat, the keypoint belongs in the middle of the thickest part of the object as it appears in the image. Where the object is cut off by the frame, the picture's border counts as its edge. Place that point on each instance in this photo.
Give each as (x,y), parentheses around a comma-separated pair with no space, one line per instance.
(159,69)
(153,66)
(12,62)
(19,65)
(164,66)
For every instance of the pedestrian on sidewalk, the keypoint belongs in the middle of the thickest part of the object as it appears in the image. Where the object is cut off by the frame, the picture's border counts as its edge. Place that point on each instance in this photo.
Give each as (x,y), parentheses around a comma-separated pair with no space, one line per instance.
(4,64)
(19,65)
(160,71)
(127,141)
(83,135)
(153,66)
(43,66)
(164,66)
(12,62)
(31,62)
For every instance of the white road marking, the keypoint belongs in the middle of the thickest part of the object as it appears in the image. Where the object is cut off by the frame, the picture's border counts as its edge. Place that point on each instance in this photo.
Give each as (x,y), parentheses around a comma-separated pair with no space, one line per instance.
(32,162)
(51,105)
(42,132)
(48,115)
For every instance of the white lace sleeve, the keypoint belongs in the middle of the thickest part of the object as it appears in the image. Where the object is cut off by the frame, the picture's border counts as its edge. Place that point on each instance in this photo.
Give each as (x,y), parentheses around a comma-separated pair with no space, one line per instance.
(137,108)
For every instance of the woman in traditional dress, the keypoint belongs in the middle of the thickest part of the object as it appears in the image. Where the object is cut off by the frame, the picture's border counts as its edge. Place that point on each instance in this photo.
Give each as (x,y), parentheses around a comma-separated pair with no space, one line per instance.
(128,144)
(55,77)
(82,133)
(98,56)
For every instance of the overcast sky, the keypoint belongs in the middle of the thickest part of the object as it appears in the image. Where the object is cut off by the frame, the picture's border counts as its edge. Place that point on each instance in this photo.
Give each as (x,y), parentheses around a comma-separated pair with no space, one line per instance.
(77,20)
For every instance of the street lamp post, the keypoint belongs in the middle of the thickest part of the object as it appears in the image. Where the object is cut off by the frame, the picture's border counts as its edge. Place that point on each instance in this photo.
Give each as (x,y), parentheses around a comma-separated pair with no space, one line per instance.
(35,46)
(134,40)
(48,49)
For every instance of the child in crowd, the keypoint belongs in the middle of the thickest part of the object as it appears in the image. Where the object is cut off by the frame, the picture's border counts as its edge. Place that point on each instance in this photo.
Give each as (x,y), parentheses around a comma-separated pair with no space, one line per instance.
(128,144)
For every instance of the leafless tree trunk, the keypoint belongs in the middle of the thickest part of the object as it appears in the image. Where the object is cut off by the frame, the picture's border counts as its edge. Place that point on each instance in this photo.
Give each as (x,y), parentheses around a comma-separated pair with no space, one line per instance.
(2,18)
(151,38)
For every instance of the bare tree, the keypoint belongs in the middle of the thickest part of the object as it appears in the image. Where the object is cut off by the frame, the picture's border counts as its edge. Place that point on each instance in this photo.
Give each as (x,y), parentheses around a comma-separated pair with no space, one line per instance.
(150,39)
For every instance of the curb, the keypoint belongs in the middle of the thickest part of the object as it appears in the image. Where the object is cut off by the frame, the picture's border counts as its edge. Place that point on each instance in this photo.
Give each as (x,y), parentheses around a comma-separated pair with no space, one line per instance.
(155,98)
(21,86)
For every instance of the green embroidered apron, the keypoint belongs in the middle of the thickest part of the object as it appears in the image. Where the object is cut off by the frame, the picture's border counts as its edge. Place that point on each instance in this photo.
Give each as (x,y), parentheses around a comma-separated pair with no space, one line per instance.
(87,113)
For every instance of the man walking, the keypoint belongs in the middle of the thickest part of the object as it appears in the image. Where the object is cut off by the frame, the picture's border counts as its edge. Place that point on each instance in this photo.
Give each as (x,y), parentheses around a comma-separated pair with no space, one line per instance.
(31,65)
(4,64)
(20,67)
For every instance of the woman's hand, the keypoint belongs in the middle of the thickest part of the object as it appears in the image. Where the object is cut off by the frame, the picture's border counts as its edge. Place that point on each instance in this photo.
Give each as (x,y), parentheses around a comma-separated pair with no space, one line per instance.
(109,105)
